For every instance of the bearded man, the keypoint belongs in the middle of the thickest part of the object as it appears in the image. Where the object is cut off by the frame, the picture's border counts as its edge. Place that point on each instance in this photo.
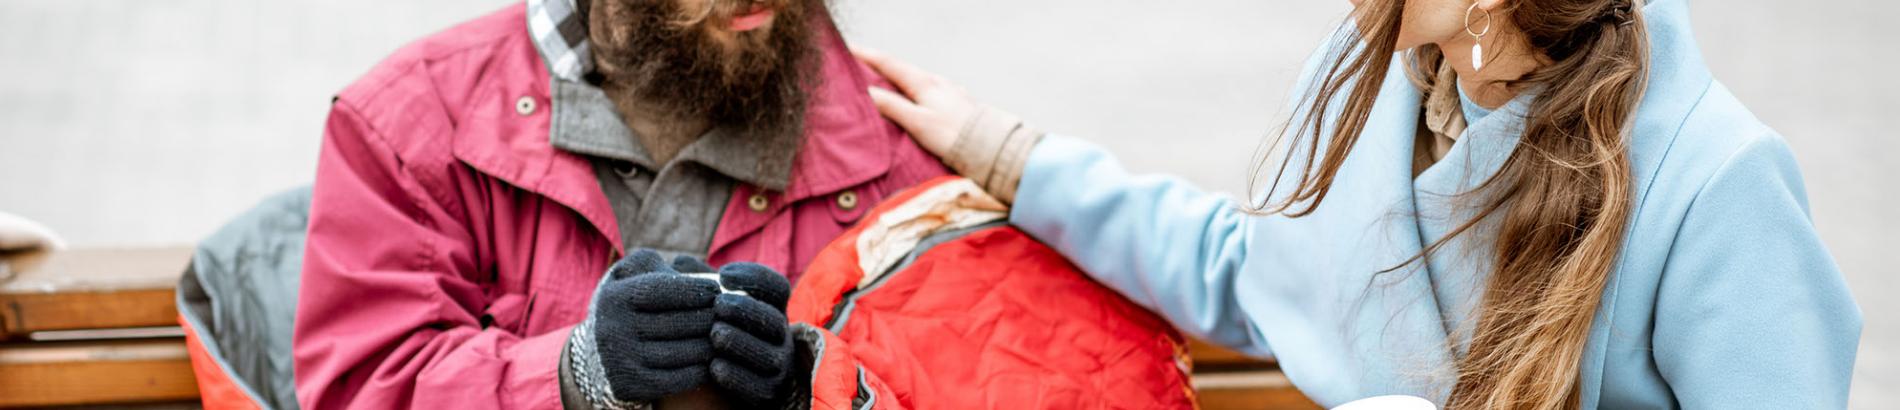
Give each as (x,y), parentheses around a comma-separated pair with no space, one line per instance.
(475,187)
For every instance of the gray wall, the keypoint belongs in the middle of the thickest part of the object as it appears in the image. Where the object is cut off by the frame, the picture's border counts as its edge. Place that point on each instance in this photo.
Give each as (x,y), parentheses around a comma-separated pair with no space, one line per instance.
(150,122)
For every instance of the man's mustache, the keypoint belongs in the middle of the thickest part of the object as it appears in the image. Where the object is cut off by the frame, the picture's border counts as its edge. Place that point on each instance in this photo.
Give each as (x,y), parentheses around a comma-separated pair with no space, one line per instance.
(724,10)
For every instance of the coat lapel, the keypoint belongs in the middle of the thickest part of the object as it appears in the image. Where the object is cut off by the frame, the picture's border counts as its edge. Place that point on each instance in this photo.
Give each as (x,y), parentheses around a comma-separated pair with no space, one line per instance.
(497,139)
(846,143)
(1327,290)
(1446,195)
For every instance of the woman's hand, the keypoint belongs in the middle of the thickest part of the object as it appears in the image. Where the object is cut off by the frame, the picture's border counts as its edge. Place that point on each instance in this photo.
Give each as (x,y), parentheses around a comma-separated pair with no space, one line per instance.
(935,110)
(984,144)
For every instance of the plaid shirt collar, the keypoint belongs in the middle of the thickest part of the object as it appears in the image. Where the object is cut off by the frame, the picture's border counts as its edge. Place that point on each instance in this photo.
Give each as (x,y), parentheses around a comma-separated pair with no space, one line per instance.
(560,33)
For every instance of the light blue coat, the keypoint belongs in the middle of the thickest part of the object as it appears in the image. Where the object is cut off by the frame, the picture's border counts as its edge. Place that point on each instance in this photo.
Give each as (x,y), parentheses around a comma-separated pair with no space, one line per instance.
(1724,297)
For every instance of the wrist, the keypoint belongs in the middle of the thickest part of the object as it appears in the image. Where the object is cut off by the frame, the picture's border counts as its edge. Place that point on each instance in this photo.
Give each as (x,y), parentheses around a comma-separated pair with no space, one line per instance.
(581,367)
(571,396)
(991,150)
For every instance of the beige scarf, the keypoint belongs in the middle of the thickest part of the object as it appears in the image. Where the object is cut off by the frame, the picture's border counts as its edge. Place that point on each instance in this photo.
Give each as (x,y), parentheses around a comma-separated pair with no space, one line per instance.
(1444,120)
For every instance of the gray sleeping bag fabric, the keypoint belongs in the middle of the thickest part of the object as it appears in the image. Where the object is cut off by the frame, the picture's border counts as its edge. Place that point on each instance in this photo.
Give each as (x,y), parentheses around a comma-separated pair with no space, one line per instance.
(240,295)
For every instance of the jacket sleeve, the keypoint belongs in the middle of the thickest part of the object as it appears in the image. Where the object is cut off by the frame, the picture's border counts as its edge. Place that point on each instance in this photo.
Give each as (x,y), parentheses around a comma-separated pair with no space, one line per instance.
(389,307)
(1158,240)
(1752,312)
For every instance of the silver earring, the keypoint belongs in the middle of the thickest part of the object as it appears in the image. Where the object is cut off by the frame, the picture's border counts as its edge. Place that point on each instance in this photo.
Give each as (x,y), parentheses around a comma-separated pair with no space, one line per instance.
(1477,43)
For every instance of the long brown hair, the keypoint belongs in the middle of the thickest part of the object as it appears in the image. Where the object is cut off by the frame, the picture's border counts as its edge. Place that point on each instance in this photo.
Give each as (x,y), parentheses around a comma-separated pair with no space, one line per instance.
(1563,194)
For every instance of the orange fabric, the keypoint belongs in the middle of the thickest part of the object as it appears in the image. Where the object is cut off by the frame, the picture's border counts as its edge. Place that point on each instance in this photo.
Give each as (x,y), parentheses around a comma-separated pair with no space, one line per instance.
(218,390)
(995,319)
(836,382)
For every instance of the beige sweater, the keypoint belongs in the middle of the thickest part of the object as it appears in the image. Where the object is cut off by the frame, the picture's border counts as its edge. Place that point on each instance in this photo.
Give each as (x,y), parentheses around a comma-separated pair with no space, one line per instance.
(991,151)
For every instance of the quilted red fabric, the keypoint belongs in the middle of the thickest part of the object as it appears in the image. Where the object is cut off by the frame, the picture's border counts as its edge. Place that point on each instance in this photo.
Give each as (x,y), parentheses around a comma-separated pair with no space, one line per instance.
(994,319)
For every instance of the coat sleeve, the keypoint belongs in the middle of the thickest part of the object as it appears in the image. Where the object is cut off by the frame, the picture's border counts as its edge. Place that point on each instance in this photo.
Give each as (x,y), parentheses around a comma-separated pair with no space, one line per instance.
(389,306)
(1752,312)
(1161,242)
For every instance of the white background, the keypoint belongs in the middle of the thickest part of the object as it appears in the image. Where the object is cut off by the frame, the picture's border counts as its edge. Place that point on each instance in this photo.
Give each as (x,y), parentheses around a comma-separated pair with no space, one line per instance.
(137,123)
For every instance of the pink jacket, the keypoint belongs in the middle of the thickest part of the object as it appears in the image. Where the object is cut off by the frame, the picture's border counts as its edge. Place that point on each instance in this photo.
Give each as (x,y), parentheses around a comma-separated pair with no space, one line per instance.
(451,247)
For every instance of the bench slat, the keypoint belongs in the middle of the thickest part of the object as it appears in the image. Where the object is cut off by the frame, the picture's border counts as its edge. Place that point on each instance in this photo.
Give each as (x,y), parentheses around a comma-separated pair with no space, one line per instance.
(94,289)
(21,314)
(1285,398)
(1227,380)
(1205,354)
(74,373)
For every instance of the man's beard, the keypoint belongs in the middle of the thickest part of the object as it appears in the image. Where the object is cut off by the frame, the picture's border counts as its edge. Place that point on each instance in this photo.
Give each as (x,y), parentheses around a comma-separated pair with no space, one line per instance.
(757,83)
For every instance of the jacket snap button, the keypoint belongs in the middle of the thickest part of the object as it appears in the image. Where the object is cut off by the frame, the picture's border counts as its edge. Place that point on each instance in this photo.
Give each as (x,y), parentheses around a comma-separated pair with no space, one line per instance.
(524,105)
(758,203)
(848,200)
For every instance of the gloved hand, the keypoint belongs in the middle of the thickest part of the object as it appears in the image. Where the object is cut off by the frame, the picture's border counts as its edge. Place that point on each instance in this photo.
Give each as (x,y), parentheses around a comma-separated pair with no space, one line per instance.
(647,335)
(752,349)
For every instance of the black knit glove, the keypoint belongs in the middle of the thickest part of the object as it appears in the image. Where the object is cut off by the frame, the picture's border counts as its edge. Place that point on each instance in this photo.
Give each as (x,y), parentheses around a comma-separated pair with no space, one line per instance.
(647,335)
(752,350)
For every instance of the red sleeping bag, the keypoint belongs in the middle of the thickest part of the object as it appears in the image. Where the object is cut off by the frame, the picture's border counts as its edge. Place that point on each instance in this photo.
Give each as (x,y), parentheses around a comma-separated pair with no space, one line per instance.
(945,306)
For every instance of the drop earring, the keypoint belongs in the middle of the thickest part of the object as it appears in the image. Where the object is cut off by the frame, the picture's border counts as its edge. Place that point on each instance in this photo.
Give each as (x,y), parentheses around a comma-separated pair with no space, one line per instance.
(1477,39)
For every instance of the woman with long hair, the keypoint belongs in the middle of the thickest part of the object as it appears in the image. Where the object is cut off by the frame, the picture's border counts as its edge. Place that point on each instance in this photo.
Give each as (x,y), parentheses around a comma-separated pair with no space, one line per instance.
(1506,204)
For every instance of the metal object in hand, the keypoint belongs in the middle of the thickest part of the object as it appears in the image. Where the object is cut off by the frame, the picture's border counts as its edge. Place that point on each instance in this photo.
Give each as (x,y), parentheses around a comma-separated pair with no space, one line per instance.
(715,278)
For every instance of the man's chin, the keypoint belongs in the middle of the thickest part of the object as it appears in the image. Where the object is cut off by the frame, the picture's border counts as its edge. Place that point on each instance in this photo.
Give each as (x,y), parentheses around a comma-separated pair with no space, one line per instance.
(737,48)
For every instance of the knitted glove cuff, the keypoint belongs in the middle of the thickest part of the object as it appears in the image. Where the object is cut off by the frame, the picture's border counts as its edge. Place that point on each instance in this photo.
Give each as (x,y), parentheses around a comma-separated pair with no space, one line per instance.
(588,374)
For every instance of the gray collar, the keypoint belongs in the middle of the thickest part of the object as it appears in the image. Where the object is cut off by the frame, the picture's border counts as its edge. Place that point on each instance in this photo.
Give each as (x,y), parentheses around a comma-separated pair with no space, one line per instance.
(586,122)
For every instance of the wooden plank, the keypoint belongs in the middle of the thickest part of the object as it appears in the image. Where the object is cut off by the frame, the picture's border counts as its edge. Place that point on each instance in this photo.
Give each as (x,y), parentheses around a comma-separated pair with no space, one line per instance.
(1227,380)
(94,289)
(1262,379)
(170,405)
(1208,355)
(103,270)
(1252,390)
(26,313)
(1255,399)
(78,373)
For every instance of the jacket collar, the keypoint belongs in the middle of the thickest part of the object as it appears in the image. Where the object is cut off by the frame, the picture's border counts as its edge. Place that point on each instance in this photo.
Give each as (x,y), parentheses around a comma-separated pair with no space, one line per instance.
(847,143)
(586,122)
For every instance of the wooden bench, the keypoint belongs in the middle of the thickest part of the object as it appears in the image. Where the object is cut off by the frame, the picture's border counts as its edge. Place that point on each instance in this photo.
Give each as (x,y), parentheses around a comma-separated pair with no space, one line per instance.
(1225,380)
(95,327)
(99,326)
